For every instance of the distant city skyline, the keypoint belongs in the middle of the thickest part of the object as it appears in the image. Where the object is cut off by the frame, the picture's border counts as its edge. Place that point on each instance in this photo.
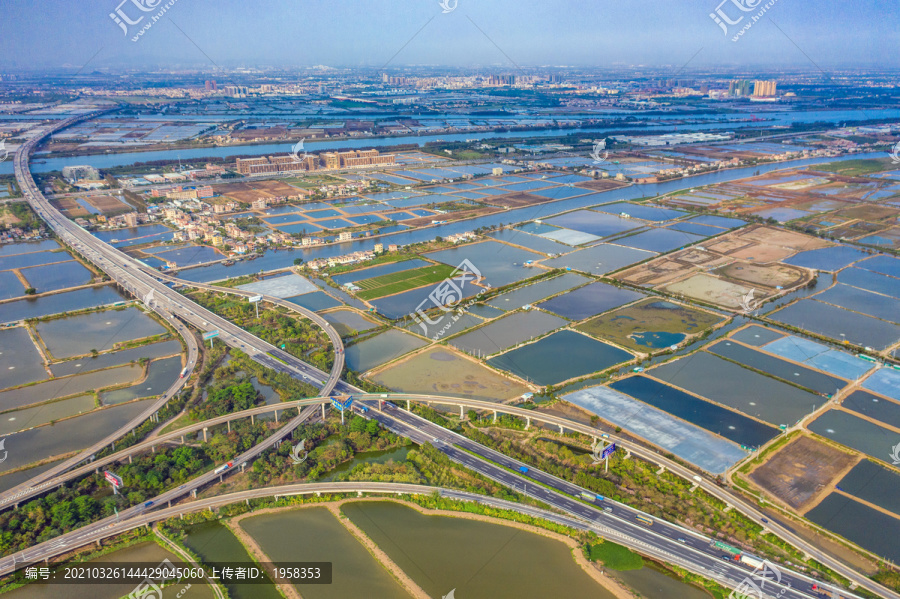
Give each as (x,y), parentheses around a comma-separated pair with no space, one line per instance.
(501,34)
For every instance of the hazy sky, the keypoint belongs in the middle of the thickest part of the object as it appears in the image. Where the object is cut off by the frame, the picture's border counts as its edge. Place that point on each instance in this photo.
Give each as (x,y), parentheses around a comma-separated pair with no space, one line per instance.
(229,33)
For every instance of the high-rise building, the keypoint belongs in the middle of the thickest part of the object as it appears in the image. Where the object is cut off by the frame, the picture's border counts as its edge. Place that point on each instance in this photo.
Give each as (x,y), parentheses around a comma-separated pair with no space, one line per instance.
(211,85)
(764,89)
(739,87)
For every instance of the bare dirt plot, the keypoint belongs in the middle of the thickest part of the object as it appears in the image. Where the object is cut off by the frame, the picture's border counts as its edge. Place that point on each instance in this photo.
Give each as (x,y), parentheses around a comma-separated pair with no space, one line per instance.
(600,184)
(669,268)
(444,371)
(801,470)
(451,216)
(711,290)
(764,235)
(70,207)
(516,200)
(247,192)
(768,275)
(108,204)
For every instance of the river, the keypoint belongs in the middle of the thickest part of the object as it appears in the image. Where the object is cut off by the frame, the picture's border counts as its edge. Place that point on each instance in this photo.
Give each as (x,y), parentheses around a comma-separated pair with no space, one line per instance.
(112,159)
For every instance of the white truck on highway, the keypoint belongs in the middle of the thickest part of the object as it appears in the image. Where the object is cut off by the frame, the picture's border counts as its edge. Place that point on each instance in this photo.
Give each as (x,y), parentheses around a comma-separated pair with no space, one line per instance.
(223,468)
(750,560)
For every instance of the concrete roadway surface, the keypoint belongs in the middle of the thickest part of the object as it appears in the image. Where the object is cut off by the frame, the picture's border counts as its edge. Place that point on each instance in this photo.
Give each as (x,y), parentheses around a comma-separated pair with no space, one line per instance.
(694,553)
(141,284)
(158,297)
(91,532)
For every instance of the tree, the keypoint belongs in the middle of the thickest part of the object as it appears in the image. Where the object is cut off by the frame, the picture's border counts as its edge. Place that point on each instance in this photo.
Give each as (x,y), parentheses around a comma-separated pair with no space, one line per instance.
(472,415)
(298,261)
(358,424)
(94,353)
(372,427)
(30,291)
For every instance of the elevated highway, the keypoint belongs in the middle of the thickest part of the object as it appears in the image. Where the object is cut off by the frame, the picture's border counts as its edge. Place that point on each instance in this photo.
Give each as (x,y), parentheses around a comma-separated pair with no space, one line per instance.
(660,536)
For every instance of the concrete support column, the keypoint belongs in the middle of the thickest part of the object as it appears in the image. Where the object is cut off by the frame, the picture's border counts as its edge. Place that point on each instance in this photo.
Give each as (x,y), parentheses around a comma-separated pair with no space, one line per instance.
(276,416)
(359,493)
(229,426)
(153,447)
(205,428)
(408,407)
(252,419)
(182,439)
(194,493)
(129,459)
(561,429)
(323,411)
(527,422)
(495,416)
(661,470)
(460,412)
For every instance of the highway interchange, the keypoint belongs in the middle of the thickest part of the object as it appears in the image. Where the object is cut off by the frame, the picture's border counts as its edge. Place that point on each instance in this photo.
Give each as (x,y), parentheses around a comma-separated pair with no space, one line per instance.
(663,540)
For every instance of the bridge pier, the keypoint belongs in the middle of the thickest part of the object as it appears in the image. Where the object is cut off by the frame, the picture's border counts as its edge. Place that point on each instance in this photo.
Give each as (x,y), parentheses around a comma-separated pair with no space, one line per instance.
(408,407)
(359,493)
(252,419)
(247,501)
(276,416)
(194,493)
(460,412)
(495,416)
(113,445)
(561,430)
(661,470)
(323,411)
(318,494)
(153,447)
(129,459)
(527,422)
(229,425)
(205,428)
(242,466)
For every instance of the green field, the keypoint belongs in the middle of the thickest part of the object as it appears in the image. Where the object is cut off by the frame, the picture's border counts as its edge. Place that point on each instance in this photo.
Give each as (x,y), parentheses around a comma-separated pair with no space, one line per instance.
(857,168)
(615,556)
(404,280)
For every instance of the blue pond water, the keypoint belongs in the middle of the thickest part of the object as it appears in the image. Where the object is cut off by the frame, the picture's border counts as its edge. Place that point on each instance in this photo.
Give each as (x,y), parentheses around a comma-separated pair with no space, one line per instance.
(830,259)
(657,339)
(728,424)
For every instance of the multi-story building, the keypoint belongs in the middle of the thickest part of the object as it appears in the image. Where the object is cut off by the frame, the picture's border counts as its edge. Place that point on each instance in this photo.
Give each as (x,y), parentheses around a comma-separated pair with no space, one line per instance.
(764,89)
(80,172)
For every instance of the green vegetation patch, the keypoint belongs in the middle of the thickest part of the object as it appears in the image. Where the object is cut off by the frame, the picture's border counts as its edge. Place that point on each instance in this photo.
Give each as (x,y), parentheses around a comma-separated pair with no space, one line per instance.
(637,327)
(405,280)
(615,556)
(856,168)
